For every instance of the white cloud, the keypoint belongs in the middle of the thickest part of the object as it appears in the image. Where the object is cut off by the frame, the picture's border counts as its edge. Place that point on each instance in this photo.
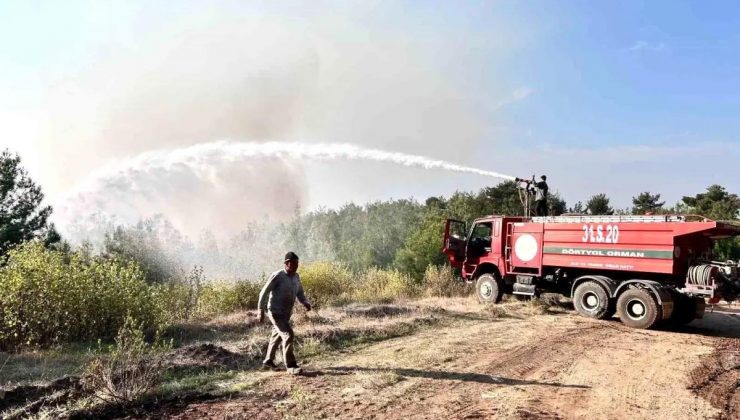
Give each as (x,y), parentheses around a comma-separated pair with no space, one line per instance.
(647,46)
(519,94)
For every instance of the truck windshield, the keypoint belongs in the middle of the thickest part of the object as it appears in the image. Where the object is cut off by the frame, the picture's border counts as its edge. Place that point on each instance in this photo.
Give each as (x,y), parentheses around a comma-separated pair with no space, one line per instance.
(480,237)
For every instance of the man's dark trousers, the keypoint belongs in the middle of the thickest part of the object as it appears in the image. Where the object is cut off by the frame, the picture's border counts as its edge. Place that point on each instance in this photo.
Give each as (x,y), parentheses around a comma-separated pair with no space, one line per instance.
(281,332)
(540,208)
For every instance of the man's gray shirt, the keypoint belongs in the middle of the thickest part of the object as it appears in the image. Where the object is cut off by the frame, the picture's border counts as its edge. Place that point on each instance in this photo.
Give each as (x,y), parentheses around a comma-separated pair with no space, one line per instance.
(280,292)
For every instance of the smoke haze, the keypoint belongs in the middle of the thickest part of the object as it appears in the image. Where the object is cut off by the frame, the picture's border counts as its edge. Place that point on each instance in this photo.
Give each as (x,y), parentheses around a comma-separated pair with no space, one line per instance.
(195,81)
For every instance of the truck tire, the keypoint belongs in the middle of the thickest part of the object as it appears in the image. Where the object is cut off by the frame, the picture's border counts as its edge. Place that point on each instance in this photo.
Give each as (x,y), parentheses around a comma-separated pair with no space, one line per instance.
(637,308)
(488,288)
(592,301)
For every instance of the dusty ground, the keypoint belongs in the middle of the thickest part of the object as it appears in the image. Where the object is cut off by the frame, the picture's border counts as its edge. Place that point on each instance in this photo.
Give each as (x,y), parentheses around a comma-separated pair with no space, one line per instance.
(517,366)
(474,362)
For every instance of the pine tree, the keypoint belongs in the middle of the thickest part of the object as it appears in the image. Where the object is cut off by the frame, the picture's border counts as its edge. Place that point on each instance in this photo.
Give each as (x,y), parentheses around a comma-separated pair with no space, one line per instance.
(646,203)
(599,204)
(22,218)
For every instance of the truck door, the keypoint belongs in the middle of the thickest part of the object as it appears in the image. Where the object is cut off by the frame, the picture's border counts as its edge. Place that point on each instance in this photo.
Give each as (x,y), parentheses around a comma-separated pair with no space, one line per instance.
(479,245)
(454,242)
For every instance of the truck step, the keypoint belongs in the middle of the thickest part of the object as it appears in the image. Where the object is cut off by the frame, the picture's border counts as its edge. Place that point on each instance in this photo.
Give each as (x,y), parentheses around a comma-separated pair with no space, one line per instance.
(524,289)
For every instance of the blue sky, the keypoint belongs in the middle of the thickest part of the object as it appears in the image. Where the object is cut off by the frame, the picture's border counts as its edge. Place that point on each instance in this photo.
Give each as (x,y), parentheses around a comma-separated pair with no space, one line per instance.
(635,73)
(614,97)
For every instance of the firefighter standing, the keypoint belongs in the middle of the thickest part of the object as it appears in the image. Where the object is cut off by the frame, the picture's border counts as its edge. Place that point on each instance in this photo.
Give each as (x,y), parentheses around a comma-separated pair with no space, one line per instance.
(540,198)
(277,298)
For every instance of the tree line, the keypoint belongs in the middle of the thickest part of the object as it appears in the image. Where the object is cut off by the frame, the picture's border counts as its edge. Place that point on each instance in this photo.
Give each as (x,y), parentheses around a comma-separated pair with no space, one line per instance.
(402,234)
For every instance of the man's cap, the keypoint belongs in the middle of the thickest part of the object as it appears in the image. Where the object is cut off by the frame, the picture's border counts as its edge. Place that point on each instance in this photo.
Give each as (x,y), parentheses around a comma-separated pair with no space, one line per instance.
(544,177)
(291,256)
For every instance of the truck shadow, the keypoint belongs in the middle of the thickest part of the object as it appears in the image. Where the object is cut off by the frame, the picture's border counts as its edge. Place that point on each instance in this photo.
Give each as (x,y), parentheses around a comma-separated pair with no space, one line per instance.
(717,324)
(445,375)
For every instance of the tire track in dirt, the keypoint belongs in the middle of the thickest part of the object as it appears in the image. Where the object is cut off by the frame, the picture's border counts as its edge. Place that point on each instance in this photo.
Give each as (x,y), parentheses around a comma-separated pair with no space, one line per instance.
(543,367)
(578,368)
(500,360)
(717,378)
(536,365)
(637,374)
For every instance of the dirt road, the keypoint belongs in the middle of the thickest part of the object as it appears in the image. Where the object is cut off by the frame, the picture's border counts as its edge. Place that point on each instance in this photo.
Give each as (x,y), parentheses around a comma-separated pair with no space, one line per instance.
(548,366)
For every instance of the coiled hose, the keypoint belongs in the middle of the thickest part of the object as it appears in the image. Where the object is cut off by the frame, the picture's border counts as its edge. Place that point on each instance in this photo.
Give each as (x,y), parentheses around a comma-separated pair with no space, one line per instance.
(702,275)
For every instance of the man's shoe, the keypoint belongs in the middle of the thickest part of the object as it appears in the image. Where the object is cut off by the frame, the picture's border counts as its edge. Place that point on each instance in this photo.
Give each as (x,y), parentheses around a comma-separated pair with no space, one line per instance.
(269,366)
(294,370)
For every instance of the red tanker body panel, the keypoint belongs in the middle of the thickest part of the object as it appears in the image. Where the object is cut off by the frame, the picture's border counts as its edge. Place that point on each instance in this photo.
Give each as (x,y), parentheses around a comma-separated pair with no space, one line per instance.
(606,243)
(647,269)
(641,247)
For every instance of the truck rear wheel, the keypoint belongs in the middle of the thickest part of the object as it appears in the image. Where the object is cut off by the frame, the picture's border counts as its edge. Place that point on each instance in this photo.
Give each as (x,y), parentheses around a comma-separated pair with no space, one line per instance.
(592,301)
(637,308)
(488,287)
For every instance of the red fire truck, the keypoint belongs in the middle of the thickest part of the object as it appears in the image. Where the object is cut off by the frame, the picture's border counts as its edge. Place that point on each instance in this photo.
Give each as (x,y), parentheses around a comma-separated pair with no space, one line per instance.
(643,268)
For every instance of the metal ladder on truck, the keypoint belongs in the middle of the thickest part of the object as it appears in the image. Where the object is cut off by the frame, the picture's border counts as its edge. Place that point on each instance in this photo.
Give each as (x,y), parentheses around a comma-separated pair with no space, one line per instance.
(507,247)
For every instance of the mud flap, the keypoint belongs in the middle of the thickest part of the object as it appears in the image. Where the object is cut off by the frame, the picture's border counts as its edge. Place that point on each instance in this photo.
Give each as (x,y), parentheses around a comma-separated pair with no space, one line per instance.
(701,306)
(665,300)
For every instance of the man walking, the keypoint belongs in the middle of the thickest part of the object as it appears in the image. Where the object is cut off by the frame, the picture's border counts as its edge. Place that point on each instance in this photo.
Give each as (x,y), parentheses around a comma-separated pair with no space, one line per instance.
(277,298)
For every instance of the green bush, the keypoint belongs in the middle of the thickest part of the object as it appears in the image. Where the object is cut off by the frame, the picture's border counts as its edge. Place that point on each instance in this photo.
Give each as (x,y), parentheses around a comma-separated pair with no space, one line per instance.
(49,297)
(219,298)
(175,299)
(326,283)
(441,282)
(380,286)
(185,301)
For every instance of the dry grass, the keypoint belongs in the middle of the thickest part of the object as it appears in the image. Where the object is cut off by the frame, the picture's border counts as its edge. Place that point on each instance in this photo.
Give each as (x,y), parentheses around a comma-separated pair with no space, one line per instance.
(376,381)
(496,310)
(130,371)
(534,307)
(40,366)
(198,366)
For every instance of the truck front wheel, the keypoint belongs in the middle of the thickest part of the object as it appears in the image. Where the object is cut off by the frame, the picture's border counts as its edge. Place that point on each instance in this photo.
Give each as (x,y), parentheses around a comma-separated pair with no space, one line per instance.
(488,287)
(592,301)
(637,308)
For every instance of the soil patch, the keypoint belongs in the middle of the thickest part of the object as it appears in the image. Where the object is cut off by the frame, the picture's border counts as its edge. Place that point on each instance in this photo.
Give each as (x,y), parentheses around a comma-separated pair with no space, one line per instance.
(717,378)
(21,395)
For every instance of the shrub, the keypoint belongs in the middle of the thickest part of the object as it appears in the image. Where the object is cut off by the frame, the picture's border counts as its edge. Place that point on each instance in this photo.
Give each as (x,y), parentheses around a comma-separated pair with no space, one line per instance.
(183,302)
(174,299)
(441,282)
(219,298)
(49,297)
(130,370)
(382,286)
(326,283)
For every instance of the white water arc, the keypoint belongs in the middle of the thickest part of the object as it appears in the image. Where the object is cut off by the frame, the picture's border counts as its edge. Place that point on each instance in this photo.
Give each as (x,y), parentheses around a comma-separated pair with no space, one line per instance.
(122,190)
(232,151)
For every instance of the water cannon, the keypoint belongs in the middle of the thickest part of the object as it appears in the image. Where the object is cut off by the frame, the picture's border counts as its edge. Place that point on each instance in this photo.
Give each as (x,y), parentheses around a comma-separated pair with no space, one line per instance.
(526,189)
(526,184)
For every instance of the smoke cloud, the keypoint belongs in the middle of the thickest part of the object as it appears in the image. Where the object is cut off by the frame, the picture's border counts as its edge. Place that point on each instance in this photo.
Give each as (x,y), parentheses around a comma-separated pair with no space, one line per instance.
(194,79)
